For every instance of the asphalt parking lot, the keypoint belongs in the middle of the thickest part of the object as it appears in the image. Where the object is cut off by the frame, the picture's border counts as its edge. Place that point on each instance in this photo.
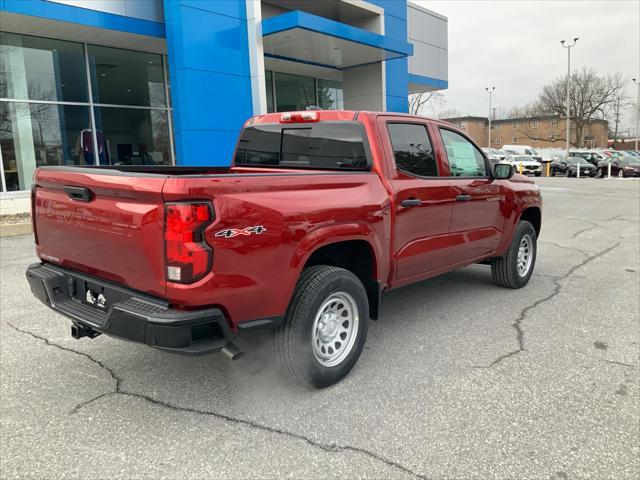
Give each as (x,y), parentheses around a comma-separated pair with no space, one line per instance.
(459,379)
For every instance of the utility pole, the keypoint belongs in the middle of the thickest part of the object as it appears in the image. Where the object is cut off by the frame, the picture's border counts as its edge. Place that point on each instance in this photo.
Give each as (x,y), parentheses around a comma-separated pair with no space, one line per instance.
(637,82)
(568,46)
(490,90)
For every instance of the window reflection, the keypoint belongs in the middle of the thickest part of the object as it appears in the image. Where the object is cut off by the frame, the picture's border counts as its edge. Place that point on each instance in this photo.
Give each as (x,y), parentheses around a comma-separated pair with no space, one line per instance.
(35,134)
(123,77)
(128,136)
(36,68)
(330,95)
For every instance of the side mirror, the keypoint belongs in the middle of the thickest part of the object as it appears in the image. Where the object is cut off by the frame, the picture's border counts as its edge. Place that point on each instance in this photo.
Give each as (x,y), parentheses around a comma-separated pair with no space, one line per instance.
(503,171)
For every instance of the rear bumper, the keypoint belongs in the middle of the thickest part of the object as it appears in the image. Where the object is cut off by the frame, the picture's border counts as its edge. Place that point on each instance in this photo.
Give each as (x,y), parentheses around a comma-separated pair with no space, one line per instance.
(128,314)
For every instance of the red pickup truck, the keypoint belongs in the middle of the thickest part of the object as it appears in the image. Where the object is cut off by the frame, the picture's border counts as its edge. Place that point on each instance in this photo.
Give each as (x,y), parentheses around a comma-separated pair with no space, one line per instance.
(320,213)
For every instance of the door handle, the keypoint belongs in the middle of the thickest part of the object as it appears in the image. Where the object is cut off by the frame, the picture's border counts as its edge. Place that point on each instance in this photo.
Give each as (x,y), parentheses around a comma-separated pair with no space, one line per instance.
(411,202)
(82,194)
(463,198)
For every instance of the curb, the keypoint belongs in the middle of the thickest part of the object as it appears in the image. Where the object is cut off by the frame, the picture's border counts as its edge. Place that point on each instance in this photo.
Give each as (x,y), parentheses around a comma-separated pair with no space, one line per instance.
(15,229)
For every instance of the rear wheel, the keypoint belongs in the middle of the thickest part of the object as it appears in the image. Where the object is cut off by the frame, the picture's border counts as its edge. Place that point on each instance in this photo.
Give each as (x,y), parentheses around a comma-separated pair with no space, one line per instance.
(325,328)
(516,267)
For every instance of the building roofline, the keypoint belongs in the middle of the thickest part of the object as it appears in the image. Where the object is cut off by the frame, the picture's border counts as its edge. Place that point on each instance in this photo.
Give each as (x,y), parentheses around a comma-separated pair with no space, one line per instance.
(540,117)
(459,119)
(513,120)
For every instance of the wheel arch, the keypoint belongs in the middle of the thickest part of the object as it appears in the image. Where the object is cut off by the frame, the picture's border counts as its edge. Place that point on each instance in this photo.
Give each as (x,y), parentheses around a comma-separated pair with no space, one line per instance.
(533,215)
(356,250)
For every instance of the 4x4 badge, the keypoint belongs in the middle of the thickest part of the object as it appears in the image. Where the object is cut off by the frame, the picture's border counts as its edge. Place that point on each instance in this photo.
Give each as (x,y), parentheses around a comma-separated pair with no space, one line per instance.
(233,232)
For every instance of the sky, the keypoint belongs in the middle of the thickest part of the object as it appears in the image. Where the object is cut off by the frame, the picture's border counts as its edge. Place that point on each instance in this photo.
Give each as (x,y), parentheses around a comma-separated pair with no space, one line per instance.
(515,46)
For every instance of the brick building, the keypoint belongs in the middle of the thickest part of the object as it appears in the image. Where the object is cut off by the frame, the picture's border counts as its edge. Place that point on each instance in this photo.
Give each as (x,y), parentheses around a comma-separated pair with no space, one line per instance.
(542,131)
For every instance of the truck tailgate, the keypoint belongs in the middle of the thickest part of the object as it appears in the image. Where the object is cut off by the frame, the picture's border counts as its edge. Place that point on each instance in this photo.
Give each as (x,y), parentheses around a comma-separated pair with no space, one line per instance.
(104,223)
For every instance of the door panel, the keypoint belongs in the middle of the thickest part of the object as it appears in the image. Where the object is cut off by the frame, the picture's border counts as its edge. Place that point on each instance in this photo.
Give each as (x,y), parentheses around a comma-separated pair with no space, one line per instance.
(477,220)
(423,200)
(476,223)
(422,238)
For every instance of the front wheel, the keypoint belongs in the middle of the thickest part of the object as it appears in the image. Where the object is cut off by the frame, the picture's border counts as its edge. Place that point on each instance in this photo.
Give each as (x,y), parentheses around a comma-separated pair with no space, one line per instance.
(515,269)
(620,174)
(325,327)
(600,173)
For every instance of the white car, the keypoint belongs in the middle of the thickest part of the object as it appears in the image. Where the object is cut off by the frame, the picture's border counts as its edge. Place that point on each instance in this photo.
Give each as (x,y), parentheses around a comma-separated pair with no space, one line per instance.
(526,165)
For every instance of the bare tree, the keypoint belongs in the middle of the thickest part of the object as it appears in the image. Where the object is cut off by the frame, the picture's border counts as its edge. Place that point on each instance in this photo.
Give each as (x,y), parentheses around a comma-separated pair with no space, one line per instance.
(615,112)
(450,113)
(418,101)
(591,96)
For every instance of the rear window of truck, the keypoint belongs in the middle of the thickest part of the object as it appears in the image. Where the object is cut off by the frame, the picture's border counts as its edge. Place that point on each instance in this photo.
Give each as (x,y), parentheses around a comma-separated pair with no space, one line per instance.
(324,146)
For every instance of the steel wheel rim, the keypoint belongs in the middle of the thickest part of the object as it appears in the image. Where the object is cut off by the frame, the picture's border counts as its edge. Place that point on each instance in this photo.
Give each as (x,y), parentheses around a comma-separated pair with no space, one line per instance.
(525,255)
(335,328)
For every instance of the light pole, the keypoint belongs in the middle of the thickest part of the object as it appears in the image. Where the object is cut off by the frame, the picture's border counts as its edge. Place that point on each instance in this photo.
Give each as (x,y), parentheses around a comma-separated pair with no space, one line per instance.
(568,46)
(490,90)
(637,82)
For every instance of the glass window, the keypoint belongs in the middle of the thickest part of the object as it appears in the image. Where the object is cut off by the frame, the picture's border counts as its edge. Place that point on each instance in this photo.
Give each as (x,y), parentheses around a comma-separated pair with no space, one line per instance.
(124,77)
(293,92)
(337,145)
(330,95)
(132,136)
(412,149)
(41,69)
(465,160)
(268,81)
(36,134)
(259,145)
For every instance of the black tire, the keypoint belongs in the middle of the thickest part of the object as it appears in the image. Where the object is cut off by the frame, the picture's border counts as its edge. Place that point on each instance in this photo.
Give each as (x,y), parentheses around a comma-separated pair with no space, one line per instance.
(600,173)
(552,172)
(293,342)
(505,269)
(538,174)
(620,173)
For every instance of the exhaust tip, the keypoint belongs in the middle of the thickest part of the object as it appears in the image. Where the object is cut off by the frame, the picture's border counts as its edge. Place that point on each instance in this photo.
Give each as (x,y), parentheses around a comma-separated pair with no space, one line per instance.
(232,352)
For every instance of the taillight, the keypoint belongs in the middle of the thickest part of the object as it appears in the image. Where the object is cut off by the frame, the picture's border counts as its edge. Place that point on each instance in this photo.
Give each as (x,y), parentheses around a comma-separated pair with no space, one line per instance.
(33,211)
(299,117)
(188,257)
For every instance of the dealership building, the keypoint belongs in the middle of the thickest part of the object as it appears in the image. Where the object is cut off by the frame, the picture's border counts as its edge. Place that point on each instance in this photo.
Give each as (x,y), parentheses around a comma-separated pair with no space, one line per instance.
(86,82)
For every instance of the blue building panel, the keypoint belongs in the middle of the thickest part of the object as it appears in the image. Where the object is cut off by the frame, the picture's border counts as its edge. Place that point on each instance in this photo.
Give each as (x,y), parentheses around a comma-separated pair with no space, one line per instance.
(221,101)
(306,21)
(210,77)
(83,16)
(229,8)
(223,48)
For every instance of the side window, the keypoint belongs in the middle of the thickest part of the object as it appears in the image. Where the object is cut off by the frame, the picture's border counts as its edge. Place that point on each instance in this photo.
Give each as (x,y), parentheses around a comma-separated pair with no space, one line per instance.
(412,149)
(464,158)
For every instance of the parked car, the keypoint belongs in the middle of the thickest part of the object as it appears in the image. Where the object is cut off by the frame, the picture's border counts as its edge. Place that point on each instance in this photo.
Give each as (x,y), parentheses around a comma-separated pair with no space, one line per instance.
(558,166)
(620,167)
(523,150)
(319,214)
(550,155)
(494,155)
(588,155)
(527,165)
(586,168)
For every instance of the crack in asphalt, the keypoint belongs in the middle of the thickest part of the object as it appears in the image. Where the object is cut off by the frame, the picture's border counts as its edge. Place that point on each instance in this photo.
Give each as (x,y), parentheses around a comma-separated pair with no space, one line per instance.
(517,325)
(615,362)
(566,247)
(584,230)
(117,390)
